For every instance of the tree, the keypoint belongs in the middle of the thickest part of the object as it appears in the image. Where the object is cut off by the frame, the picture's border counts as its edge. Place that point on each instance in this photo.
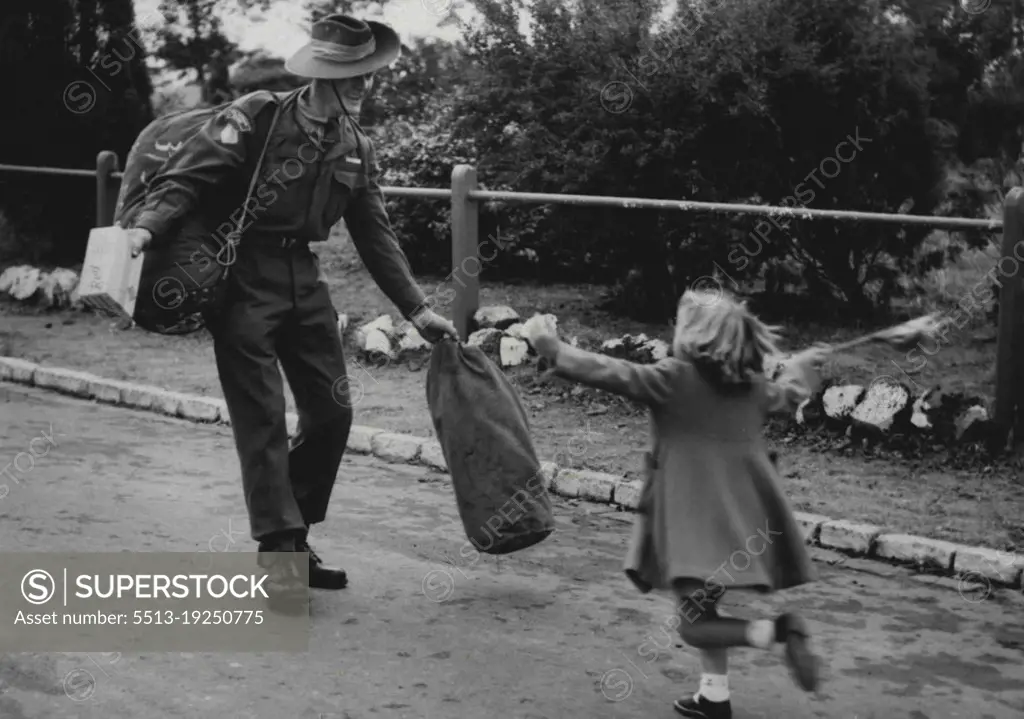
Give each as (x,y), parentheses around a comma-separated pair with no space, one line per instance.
(80,86)
(193,41)
(719,102)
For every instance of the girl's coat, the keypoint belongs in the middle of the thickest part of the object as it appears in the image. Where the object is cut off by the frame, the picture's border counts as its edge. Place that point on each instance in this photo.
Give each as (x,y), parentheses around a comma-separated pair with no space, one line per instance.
(712,508)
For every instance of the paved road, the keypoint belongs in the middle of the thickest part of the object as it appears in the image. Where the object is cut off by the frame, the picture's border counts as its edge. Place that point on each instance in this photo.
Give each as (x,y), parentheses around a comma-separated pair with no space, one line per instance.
(552,632)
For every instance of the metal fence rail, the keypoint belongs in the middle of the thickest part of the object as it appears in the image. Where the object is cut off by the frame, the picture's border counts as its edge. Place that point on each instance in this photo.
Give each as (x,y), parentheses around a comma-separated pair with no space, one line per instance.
(465,196)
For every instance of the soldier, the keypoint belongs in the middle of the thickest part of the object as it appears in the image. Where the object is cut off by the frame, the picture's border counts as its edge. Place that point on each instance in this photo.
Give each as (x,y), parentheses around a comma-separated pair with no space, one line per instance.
(319,167)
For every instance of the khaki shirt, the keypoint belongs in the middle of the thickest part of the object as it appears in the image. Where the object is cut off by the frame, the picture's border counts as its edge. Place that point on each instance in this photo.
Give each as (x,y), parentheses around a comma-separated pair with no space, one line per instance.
(315,172)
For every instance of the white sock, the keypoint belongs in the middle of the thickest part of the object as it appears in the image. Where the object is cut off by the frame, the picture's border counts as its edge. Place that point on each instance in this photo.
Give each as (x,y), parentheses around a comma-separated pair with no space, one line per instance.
(761,633)
(714,687)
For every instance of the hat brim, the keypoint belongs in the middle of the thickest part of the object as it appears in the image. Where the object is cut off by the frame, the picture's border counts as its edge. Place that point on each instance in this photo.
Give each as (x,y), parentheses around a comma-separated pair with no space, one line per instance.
(388,47)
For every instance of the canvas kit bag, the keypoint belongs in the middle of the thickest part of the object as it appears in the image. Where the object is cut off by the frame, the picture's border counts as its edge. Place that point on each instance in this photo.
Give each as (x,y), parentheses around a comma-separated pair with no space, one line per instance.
(187,273)
(485,438)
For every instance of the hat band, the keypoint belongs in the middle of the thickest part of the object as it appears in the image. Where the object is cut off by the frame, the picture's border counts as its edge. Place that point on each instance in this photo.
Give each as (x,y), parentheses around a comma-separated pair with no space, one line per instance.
(332,52)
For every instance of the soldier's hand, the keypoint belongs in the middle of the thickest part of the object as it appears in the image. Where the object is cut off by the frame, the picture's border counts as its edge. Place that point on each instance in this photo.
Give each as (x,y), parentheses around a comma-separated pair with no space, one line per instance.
(433,327)
(139,239)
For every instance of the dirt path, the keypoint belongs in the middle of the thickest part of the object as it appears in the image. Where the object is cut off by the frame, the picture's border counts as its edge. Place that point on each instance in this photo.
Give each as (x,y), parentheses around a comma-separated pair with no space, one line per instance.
(553,631)
(595,432)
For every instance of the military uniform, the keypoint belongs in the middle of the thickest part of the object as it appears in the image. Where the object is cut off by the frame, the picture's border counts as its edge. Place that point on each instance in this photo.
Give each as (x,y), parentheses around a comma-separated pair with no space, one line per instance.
(277,307)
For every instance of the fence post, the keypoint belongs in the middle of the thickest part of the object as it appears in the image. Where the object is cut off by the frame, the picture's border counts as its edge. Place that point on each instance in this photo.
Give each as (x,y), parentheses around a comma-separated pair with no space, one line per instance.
(465,248)
(1009,409)
(106,198)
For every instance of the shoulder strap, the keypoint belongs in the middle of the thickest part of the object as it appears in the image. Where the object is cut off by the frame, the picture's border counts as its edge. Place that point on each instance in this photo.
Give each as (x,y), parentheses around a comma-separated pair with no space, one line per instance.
(280,101)
(230,250)
(259,163)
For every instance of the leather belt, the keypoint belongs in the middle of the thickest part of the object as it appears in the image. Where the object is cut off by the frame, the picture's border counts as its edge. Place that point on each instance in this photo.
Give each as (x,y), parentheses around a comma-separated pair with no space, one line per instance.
(275,242)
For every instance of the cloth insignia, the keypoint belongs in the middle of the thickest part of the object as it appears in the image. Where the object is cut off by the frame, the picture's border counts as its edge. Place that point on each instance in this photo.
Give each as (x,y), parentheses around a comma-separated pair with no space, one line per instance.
(229,135)
(169,147)
(236,117)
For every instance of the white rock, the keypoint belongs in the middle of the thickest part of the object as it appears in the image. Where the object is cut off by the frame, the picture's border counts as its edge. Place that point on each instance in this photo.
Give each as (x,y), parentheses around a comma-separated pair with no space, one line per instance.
(839,402)
(880,405)
(513,351)
(851,536)
(10,276)
(516,331)
(636,348)
(489,340)
(919,415)
(655,350)
(495,316)
(977,413)
(412,341)
(919,550)
(384,323)
(342,324)
(58,287)
(536,324)
(26,284)
(619,348)
(378,343)
(396,447)
(926,406)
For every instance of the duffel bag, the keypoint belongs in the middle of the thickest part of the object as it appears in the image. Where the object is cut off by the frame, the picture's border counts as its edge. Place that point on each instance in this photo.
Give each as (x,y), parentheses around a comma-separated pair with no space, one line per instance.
(485,438)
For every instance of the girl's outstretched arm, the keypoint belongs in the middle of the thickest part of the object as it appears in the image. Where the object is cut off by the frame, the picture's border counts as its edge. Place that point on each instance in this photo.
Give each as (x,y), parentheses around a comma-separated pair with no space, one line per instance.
(647,384)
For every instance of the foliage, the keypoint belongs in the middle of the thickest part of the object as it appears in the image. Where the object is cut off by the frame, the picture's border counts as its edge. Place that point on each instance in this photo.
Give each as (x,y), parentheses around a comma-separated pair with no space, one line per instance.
(721,102)
(193,41)
(80,86)
(261,71)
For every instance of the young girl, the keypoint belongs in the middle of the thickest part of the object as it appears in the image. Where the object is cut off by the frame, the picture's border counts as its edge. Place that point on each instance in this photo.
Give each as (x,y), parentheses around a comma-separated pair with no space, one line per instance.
(713,517)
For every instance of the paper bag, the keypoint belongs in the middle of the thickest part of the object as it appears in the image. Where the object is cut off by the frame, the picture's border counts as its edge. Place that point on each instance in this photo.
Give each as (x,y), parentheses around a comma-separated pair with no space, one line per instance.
(110,275)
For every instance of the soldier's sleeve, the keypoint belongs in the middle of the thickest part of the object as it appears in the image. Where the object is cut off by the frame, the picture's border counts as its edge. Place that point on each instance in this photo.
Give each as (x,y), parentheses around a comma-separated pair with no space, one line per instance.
(212,155)
(368,223)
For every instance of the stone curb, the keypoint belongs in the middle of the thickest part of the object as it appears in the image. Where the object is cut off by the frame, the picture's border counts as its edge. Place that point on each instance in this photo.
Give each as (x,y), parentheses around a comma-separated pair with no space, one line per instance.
(965,563)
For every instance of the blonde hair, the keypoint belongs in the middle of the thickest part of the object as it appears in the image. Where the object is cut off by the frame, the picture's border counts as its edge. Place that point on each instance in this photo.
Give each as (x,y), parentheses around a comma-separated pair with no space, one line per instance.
(722,337)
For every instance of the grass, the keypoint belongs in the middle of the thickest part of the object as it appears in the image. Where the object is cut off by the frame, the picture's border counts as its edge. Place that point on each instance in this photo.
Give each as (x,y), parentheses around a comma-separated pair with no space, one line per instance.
(594,430)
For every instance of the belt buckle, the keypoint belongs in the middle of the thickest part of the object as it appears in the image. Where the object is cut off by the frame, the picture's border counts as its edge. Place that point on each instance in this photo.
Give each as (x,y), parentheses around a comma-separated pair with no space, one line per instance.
(287,243)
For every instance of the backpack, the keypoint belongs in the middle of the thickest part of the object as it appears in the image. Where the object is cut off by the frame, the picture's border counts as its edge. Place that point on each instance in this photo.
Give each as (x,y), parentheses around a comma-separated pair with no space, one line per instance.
(187,274)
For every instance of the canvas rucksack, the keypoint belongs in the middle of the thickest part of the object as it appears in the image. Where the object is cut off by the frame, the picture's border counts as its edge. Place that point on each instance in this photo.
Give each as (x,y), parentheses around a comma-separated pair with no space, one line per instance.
(186,274)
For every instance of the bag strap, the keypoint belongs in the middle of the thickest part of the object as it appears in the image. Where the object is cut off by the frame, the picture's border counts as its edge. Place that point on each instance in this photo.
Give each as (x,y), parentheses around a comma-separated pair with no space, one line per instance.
(235,236)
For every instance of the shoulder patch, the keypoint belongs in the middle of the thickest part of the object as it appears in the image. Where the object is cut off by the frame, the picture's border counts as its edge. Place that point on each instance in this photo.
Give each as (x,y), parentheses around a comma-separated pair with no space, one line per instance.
(228,134)
(236,117)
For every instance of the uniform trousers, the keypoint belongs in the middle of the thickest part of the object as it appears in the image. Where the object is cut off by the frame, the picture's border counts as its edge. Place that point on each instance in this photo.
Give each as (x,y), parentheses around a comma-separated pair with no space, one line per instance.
(276,310)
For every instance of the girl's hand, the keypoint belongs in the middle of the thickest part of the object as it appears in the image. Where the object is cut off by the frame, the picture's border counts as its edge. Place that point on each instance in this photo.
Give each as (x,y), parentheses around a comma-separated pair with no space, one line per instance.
(542,334)
(812,356)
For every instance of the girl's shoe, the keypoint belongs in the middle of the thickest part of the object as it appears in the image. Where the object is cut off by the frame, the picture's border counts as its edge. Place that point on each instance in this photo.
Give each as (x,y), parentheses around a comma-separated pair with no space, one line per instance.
(791,630)
(700,708)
